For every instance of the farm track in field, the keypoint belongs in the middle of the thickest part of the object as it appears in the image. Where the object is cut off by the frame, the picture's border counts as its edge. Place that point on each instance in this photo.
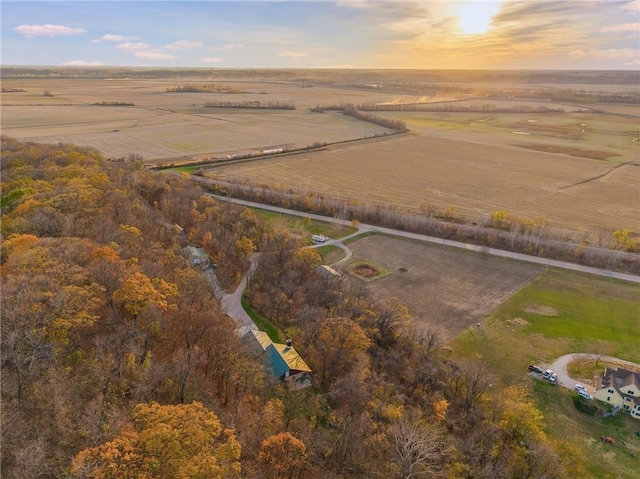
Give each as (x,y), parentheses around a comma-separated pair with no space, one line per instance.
(597,177)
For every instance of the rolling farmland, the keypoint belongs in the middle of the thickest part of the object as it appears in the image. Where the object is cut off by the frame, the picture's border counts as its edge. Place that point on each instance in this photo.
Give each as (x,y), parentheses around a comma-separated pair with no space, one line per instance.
(160,125)
(413,170)
(577,168)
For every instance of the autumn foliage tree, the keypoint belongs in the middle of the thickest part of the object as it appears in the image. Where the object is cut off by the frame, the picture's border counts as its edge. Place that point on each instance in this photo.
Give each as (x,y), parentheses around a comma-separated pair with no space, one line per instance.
(109,335)
(173,441)
(282,455)
(337,349)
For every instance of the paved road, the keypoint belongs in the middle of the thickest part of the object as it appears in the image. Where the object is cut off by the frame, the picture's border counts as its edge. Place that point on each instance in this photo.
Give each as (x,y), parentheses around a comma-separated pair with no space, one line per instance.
(559,366)
(362,228)
(232,302)
(339,243)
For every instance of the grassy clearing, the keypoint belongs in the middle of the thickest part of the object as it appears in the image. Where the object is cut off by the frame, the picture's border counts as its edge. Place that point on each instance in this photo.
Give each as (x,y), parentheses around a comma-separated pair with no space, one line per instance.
(261,323)
(585,317)
(559,313)
(306,225)
(359,237)
(185,169)
(330,253)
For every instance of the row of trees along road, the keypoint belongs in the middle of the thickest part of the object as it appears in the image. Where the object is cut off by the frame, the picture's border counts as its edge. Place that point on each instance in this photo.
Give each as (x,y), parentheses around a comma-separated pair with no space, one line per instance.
(117,361)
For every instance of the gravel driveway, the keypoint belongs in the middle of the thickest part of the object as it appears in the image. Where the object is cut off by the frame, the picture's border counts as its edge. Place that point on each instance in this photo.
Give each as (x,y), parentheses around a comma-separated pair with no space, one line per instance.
(559,366)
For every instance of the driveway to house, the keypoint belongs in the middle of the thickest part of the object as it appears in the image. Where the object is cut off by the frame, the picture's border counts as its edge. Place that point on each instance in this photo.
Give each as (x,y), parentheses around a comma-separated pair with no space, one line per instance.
(559,366)
(232,302)
(339,244)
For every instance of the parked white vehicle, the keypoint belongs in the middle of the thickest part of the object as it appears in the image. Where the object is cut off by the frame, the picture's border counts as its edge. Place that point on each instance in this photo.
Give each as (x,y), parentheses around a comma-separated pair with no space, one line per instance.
(585,395)
(580,387)
(319,238)
(553,378)
(547,374)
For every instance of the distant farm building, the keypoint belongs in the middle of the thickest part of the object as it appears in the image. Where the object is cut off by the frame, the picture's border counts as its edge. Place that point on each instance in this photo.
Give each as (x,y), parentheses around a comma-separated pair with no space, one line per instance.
(282,360)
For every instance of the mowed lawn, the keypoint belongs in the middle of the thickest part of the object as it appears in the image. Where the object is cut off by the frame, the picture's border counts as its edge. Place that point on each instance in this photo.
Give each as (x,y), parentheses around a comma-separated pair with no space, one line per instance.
(587,318)
(560,312)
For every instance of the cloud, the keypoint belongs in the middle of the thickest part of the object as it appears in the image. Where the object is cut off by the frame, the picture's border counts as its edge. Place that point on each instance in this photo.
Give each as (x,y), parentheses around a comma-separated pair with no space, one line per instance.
(211,60)
(154,55)
(118,38)
(228,46)
(133,47)
(144,50)
(292,54)
(622,27)
(633,5)
(81,63)
(47,30)
(183,45)
(609,53)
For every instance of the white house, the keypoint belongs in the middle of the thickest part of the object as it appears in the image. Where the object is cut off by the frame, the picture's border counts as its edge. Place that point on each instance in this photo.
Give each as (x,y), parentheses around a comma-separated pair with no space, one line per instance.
(620,387)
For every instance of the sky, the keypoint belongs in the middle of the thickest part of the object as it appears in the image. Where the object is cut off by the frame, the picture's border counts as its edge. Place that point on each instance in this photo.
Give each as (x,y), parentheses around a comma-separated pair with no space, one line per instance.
(427,34)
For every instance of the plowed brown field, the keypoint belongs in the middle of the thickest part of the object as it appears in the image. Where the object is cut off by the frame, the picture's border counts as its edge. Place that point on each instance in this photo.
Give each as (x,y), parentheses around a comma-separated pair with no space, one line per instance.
(412,170)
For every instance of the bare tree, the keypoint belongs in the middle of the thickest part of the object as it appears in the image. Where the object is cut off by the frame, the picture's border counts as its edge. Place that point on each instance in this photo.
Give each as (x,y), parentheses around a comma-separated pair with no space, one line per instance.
(419,447)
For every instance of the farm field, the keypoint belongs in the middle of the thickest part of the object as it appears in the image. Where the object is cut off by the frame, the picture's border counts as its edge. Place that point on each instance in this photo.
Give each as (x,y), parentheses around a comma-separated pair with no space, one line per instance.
(415,169)
(582,134)
(158,125)
(558,166)
(443,289)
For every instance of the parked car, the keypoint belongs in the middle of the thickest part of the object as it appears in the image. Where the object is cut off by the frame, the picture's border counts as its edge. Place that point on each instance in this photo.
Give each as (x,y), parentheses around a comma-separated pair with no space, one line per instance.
(535,369)
(547,374)
(580,387)
(585,395)
(553,378)
(319,238)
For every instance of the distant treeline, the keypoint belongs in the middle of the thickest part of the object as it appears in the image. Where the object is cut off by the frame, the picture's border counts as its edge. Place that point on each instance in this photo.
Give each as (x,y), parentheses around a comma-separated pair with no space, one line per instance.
(192,88)
(358,78)
(456,107)
(539,93)
(270,105)
(567,94)
(353,111)
(113,103)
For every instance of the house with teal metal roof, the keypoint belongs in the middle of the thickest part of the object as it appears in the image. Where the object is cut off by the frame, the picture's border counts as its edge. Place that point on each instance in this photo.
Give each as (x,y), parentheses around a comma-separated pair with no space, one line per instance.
(282,360)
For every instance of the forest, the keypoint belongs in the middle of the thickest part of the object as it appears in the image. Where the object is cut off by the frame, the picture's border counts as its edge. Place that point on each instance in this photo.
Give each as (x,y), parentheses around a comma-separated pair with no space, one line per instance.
(118,362)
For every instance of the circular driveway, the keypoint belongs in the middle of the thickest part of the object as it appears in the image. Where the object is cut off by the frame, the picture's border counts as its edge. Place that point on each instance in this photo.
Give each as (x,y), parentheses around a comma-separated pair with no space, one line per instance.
(559,366)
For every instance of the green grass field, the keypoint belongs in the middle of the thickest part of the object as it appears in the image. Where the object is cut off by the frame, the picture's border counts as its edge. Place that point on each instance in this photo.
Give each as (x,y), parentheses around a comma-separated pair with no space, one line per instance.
(584,317)
(261,323)
(559,313)
(305,225)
